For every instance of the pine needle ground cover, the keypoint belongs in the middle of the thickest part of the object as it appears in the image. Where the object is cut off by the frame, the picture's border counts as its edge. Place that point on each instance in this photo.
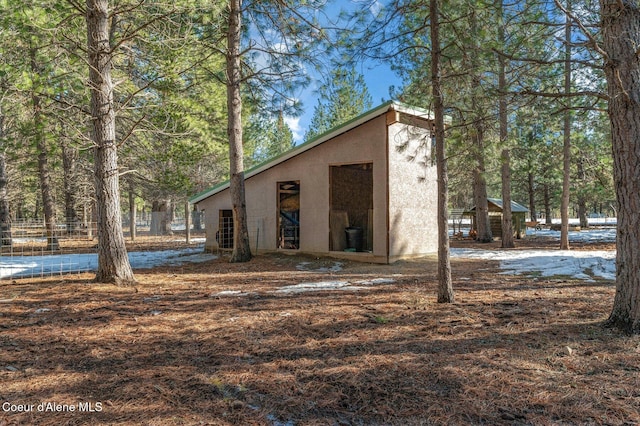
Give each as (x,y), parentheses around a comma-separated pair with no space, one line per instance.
(286,340)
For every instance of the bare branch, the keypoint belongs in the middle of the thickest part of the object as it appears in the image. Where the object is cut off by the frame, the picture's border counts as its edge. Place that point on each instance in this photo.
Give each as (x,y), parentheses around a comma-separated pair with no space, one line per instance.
(131,130)
(544,61)
(77,6)
(593,42)
(558,95)
(134,33)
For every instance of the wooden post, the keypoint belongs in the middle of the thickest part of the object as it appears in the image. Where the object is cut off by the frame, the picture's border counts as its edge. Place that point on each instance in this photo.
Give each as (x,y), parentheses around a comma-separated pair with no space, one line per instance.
(132,212)
(187,221)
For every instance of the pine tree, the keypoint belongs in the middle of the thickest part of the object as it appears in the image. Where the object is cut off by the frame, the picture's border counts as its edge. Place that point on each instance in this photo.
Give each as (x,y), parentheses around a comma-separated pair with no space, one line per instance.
(343,97)
(621,36)
(285,33)
(279,137)
(113,262)
(266,138)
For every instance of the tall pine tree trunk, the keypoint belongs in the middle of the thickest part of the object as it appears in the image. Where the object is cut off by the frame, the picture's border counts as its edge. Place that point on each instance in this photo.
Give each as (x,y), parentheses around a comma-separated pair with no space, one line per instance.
(480,187)
(445,284)
(69,159)
(531,189)
(621,38)
(566,152)
(113,262)
(47,195)
(483,226)
(546,201)
(507,216)
(507,220)
(5,217)
(44,174)
(582,202)
(241,250)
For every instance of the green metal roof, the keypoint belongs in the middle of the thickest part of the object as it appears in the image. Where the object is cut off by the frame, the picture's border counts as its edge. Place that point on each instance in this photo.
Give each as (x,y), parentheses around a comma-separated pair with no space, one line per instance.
(515,207)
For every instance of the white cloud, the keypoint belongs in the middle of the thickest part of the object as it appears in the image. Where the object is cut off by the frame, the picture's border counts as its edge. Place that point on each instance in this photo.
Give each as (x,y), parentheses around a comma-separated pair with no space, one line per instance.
(374,6)
(296,129)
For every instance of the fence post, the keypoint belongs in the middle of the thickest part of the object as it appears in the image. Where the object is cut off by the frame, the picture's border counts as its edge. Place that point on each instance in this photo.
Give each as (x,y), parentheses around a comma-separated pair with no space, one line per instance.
(187,221)
(132,212)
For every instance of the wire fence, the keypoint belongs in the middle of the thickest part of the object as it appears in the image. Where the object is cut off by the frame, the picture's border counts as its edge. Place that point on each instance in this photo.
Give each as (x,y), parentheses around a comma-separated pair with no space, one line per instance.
(29,250)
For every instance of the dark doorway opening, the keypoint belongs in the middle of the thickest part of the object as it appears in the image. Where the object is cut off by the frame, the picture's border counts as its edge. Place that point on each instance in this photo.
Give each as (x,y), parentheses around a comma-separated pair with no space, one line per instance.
(289,215)
(351,207)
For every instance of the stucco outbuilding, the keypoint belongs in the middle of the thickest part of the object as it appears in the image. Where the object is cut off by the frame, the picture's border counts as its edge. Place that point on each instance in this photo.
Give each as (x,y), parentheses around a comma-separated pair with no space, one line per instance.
(365,190)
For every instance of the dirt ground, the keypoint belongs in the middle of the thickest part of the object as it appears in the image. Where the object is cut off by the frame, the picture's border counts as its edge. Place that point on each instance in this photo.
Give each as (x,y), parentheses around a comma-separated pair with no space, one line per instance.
(216,343)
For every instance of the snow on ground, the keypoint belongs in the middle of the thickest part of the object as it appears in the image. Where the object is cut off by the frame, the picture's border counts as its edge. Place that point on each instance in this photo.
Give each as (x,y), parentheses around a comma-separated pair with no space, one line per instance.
(316,286)
(578,264)
(603,235)
(34,266)
(582,264)
(333,285)
(305,266)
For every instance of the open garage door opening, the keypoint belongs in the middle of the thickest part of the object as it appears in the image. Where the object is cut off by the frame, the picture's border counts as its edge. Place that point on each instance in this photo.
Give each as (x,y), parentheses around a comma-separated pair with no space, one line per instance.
(351,209)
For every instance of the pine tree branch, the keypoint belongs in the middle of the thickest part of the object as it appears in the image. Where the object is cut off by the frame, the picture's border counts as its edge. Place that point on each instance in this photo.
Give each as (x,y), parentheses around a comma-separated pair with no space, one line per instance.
(506,55)
(559,95)
(131,130)
(592,41)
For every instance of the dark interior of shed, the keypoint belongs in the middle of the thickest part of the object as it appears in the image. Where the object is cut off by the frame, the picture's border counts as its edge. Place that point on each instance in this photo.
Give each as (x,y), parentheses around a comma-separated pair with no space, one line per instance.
(351,208)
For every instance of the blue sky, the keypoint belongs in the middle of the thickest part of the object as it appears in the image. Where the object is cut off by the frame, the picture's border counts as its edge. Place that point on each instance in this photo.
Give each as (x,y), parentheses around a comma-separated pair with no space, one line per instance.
(378,77)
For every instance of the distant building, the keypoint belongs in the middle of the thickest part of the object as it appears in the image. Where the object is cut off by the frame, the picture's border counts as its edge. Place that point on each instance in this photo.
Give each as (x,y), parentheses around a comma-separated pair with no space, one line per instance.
(518,217)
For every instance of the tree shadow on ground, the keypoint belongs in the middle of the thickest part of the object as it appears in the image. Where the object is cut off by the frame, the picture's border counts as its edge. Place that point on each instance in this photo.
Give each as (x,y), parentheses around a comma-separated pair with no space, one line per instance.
(168,352)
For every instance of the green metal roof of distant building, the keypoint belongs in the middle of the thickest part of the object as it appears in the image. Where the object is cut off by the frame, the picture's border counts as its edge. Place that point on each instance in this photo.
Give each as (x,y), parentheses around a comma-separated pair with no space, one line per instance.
(515,207)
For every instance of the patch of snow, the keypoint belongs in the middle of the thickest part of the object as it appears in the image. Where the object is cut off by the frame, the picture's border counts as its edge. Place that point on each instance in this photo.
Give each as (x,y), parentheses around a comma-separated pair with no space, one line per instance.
(307,266)
(321,285)
(27,266)
(333,285)
(547,263)
(376,281)
(191,258)
(605,235)
(582,264)
(230,293)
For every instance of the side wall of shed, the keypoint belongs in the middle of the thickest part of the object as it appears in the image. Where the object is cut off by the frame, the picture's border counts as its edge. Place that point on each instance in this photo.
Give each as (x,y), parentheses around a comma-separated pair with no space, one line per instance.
(413,227)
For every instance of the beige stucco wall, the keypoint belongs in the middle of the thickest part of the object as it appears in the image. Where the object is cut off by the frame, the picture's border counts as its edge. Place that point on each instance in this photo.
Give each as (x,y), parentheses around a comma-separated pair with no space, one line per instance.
(413,229)
(363,144)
